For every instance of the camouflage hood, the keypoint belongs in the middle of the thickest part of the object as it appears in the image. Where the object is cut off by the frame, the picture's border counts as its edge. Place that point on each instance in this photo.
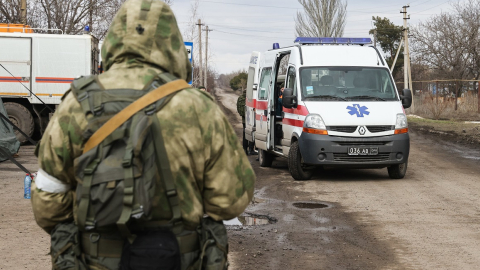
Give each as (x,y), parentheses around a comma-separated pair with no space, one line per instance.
(145,32)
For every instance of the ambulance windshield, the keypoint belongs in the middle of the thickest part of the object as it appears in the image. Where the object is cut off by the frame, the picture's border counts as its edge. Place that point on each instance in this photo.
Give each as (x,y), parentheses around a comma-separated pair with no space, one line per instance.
(347,83)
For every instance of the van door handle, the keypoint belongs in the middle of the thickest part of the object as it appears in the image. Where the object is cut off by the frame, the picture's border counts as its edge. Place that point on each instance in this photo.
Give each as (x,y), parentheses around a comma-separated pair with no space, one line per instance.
(265,112)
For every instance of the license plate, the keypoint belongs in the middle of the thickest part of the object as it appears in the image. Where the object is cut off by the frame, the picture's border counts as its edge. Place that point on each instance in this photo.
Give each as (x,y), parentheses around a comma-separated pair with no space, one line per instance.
(362,151)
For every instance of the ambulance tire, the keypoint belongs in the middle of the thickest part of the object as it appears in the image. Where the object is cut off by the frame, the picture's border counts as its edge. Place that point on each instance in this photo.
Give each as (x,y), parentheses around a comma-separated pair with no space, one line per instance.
(397,171)
(295,164)
(265,158)
(22,118)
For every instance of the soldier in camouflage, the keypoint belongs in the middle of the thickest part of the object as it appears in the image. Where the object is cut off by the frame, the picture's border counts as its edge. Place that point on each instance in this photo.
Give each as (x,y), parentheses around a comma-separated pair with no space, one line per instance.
(211,173)
(241,111)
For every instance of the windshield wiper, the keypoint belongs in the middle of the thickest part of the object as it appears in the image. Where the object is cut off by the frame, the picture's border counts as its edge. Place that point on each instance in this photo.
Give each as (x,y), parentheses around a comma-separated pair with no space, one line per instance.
(367,97)
(330,96)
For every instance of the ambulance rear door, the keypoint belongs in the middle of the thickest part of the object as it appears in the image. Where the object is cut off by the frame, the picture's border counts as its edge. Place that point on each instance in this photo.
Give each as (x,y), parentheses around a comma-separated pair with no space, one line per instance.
(262,113)
(252,96)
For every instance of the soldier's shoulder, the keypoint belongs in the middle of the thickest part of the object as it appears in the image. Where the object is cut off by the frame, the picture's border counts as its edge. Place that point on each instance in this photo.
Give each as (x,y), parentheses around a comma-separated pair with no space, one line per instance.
(195,95)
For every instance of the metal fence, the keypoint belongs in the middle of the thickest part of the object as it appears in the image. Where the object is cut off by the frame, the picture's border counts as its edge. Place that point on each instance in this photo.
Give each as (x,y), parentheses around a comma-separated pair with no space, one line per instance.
(445,98)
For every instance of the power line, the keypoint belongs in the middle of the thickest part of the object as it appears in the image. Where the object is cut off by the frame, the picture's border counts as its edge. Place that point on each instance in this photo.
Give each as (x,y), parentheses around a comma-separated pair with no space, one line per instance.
(249,5)
(432,7)
(245,29)
(249,35)
(283,7)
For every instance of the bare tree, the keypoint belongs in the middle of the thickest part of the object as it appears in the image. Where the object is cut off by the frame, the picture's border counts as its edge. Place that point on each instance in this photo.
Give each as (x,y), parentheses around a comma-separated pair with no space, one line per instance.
(70,16)
(449,44)
(321,18)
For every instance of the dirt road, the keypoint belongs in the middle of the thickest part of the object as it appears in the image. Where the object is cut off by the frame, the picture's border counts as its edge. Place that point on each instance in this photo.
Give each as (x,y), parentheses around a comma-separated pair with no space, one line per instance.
(342,219)
(429,220)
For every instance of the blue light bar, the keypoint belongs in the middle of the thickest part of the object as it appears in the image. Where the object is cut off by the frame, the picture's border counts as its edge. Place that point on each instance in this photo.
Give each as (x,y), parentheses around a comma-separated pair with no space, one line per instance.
(333,40)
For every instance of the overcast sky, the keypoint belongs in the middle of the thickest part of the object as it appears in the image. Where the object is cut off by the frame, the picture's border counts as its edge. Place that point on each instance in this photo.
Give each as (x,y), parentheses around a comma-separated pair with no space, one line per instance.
(240,27)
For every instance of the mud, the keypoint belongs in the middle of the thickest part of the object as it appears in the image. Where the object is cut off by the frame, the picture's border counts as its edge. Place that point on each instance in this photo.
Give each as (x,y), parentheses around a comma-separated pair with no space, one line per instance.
(428,220)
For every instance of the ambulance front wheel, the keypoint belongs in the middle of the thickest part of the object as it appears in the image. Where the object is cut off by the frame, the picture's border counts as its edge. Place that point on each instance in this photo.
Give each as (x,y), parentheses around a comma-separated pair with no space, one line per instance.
(295,164)
(265,158)
(397,171)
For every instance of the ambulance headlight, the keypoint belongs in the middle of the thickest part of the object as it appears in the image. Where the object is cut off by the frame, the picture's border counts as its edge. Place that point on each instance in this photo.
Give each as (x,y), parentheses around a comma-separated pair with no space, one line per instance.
(401,121)
(314,121)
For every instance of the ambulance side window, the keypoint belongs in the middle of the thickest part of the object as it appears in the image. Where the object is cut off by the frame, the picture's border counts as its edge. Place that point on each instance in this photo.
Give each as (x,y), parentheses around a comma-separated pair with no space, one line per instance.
(251,76)
(264,83)
(292,82)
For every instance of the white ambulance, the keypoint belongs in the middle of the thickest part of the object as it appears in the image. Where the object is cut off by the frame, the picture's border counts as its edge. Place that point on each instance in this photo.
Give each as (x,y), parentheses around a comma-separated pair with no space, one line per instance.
(340,108)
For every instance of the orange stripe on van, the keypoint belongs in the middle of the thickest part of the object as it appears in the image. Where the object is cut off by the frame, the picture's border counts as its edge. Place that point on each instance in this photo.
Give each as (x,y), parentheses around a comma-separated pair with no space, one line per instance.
(13,94)
(12,79)
(48,95)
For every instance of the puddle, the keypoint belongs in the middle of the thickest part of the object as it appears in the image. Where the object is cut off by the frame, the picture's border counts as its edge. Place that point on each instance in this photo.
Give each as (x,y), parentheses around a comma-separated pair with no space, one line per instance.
(232,222)
(248,219)
(253,221)
(468,153)
(303,205)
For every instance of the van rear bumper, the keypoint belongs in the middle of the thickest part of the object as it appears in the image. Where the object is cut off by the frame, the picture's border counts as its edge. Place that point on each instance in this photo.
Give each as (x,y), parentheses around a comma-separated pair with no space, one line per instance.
(333,150)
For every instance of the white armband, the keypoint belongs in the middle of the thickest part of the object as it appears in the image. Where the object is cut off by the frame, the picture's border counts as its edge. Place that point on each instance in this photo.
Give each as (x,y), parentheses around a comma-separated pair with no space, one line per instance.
(48,183)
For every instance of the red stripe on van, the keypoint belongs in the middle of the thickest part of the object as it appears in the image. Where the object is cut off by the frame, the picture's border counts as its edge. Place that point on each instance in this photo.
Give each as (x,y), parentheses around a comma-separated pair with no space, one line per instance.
(292,122)
(300,110)
(251,103)
(261,105)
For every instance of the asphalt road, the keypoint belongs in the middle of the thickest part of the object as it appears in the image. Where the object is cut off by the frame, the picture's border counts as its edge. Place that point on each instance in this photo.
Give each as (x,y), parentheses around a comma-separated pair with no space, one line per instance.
(429,220)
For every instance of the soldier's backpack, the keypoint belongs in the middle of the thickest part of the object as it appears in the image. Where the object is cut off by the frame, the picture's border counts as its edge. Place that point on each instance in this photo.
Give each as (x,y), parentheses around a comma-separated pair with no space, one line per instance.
(123,167)
(124,164)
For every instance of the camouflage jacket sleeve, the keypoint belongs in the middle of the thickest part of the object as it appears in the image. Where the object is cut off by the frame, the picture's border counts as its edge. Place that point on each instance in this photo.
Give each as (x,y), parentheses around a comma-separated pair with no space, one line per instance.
(229,178)
(241,105)
(212,173)
(60,145)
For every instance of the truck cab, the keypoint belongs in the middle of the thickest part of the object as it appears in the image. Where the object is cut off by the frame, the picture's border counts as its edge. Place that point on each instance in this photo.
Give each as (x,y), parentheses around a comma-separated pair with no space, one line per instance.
(340,108)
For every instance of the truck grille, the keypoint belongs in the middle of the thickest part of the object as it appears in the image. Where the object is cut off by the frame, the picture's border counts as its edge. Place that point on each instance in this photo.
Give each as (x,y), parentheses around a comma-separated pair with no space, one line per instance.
(342,157)
(344,129)
(375,129)
(361,143)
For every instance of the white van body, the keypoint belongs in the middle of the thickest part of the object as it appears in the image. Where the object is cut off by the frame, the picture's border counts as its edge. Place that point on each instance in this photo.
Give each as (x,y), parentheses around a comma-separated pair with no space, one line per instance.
(251,97)
(347,111)
(44,64)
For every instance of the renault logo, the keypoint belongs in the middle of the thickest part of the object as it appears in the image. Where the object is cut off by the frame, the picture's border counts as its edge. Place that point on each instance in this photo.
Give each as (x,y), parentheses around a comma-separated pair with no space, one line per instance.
(362,130)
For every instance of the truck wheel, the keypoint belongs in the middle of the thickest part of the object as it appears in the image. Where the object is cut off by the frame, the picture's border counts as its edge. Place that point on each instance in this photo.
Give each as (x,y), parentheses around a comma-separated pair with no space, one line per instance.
(397,171)
(265,158)
(295,166)
(22,118)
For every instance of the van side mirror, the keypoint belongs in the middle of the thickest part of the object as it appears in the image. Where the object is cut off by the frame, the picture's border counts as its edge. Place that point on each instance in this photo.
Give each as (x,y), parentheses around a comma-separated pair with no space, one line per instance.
(289,100)
(255,87)
(406,98)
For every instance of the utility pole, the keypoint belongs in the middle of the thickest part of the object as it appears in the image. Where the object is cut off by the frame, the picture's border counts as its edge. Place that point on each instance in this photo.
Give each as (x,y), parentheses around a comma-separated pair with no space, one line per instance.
(200,49)
(206,58)
(90,16)
(375,38)
(407,79)
(23,12)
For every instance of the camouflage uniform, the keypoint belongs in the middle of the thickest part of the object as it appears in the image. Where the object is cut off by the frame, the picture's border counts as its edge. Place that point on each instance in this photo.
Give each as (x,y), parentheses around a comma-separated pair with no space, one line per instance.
(241,105)
(241,111)
(211,173)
